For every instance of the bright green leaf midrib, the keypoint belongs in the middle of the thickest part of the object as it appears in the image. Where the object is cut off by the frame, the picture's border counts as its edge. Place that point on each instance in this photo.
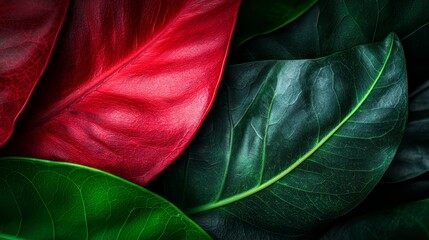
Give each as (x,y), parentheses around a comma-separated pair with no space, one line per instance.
(9,237)
(95,171)
(256,189)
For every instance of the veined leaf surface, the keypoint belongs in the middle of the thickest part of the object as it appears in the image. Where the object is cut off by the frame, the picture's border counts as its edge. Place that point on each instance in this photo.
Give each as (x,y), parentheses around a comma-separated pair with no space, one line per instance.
(52,200)
(335,25)
(129,84)
(293,144)
(28,32)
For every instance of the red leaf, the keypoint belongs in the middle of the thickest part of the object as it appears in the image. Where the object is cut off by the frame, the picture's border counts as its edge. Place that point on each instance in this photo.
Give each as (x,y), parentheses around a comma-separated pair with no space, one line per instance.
(28,31)
(129,84)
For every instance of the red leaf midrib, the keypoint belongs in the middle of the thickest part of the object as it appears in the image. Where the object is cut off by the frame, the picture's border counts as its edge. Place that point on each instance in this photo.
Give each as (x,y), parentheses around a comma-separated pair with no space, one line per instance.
(92,85)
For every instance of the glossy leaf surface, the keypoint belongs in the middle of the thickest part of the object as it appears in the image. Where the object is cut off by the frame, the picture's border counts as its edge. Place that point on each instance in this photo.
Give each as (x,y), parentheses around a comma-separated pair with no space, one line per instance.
(412,158)
(28,31)
(257,17)
(129,84)
(408,221)
(53,200)
(291,145)
(334,25)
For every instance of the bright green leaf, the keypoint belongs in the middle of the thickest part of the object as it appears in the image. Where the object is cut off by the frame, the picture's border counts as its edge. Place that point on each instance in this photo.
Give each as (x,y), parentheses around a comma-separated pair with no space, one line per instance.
(292,144)
(52,200)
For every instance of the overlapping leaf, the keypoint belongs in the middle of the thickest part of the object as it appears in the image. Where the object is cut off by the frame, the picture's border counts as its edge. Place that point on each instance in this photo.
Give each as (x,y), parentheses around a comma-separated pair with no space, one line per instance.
(408,221)
(129,84)
(53,200)
(388,194)
(412,158)
(334,25)
(291,145)
(28,31)
(257,17)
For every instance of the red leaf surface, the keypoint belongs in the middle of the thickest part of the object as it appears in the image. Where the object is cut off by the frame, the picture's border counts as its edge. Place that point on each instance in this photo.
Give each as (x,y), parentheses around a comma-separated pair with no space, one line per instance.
(129,84)
(28,31)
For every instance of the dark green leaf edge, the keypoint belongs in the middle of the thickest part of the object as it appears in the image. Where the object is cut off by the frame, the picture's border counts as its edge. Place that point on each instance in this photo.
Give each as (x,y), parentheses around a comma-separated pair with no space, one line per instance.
(415,115)
(299,14)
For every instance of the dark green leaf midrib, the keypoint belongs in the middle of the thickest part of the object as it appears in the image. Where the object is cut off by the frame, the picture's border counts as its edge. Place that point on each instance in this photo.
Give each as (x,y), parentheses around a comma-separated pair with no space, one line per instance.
(237,197)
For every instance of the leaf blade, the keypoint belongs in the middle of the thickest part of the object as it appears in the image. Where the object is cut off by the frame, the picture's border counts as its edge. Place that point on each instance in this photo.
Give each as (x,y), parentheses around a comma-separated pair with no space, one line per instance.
(140,87)
(62,200)
(29,30)
(302,186)
(331,26)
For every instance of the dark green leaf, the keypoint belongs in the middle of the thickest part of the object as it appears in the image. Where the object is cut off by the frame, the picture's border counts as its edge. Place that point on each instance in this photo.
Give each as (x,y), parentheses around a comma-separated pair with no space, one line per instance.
(298,40)
(412,158)
(257,17)
(408,221)
(53,200)
(290,145)
(334,25)
(387,195)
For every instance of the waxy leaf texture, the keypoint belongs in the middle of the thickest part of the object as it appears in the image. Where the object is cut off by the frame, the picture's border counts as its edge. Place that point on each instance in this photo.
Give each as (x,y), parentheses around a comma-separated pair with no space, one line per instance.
(28,31)
(129,84)
(293,144)
(55,200)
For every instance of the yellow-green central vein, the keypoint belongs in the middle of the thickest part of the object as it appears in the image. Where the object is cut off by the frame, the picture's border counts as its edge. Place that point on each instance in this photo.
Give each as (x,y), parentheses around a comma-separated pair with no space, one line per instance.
(256,189)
